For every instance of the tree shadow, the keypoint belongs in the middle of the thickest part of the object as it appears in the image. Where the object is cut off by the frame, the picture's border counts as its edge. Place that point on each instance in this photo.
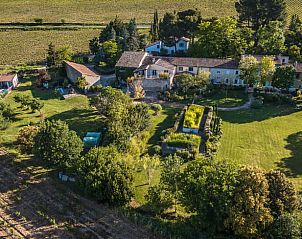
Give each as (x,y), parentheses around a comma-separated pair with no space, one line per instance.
(168,122)
(81,120)
(256,115)
(292,166)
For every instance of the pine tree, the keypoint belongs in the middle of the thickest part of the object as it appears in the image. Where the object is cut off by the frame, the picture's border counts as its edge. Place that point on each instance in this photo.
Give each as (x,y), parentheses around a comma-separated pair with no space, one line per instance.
(154,32)
(51,55)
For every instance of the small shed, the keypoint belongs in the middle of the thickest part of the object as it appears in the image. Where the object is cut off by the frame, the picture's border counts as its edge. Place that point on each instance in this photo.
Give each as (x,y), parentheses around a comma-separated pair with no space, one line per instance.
(92,139)
(8,81)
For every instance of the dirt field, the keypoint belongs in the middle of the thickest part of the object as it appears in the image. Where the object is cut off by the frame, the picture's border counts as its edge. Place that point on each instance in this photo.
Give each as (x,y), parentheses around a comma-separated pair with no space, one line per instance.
(34,205)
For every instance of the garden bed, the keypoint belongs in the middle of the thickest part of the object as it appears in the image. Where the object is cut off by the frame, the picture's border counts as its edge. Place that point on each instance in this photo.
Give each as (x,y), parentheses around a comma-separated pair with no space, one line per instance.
(193,118)
(181,141)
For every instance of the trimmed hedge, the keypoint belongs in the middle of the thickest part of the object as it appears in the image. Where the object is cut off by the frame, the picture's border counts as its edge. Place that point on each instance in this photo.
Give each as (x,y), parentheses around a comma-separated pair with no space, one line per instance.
(183,141)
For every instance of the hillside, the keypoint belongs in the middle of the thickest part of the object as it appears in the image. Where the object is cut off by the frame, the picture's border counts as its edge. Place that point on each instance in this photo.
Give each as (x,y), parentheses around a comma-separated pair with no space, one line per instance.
(102,11)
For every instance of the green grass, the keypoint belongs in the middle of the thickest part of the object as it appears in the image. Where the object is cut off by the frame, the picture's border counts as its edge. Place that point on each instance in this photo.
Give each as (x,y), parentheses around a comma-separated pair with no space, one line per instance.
(105,10)
(75,111)
(225,98)
(24,47)
(270,138)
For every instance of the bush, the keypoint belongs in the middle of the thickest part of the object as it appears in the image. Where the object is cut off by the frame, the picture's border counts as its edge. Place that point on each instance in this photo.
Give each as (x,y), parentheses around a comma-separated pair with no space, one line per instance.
(4,122)
(287,226)
(106,176)
(6,110)
(156,108)
(257,103)
(36,105)
(26,138)
(183,141)
(155,149)
(57,144)
(193,116)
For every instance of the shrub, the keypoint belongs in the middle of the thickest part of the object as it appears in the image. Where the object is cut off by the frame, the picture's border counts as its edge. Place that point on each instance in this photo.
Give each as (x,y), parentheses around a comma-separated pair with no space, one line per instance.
(6,110)
(183,141)
(81,83)
(287,226)
(4,122)
(36,105)
(155,149)
(57,144)
(156,108)
(257,103)
(193,116)
(38,20)
(26,138)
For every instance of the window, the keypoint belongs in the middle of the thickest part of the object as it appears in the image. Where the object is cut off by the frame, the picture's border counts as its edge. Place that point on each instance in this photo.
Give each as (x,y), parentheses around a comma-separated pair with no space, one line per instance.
(181,45)
(180,68)
(236,82)
(227,81)
(218,72)
(237,72)
(157,46)
(190,68)
(154,72)
(297,75)
(283,60)
(166,71)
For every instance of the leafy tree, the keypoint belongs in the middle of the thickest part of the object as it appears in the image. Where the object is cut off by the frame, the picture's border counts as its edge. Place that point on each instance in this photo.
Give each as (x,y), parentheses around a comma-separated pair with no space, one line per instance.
(202,79)
(294,52)
(249,215)
(51,55)
(219,38)
(295,23)
(64,53)
(287,226)
(110,52)
(106,176)
(184,82)
(271,39)
(6,110)
(26,138)
(150,163)
(187,23)
(249,69)
(207,187)
(57,144)
(267,68)
(284,77)
(81,83)
(94,45)
(257,13)
(36,105)
(283,196)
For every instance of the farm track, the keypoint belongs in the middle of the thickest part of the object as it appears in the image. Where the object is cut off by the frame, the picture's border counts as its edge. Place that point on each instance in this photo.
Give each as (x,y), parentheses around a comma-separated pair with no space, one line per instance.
(32,207)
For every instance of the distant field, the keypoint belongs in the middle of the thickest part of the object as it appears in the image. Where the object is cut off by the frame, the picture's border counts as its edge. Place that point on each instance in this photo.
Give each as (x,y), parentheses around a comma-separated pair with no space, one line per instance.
(19,47)
(104,10)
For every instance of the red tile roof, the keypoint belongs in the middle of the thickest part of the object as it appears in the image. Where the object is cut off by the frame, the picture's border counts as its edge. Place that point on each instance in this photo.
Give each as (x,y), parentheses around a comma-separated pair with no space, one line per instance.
(7,77)
(84,70)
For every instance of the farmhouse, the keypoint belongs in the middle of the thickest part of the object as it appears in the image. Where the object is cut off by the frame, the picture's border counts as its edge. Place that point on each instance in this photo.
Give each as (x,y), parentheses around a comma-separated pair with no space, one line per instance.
(181,46)
(8,82)
(298,80)
(157,72)
(74,71)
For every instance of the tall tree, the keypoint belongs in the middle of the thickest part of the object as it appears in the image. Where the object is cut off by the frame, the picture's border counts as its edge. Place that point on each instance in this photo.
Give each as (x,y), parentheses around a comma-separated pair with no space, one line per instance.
(284,77)
(154,31)
(267,67)
(271,39)
(168,29)
(249,215)
(64,53)
(105,175)
(94,45)
(295,23)
(187,23)
(220,38)
(133,40)
(257,13)
(249,69)
(51,55)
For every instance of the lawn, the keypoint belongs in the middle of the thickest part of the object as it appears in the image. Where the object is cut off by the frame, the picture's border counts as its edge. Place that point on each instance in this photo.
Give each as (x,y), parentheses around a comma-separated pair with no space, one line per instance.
(23,47)
(105,10)
(75,111)
(270,138)
(224,98)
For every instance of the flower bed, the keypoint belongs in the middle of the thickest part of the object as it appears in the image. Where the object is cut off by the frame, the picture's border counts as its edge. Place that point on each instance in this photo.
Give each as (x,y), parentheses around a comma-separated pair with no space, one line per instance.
(193,118)
(183,141)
